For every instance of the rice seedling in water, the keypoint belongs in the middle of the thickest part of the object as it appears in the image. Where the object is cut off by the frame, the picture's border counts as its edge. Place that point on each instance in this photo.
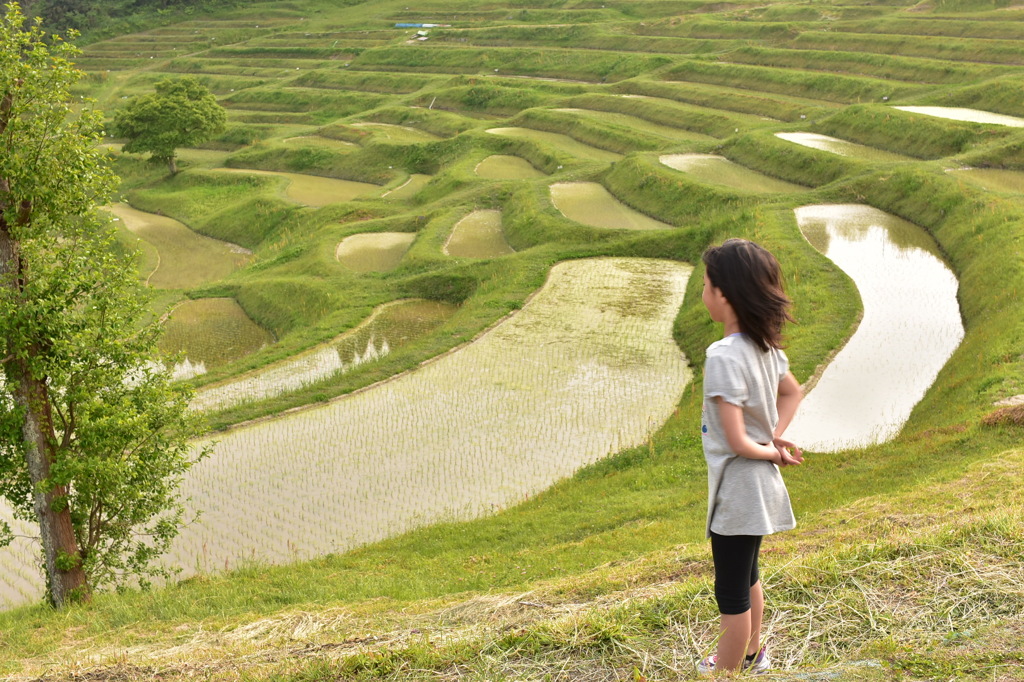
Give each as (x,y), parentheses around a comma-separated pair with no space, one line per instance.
(505,167)
(210,332)
(314,190)
(558,141)
(591,204)
(478,235)
(910,328)
(185,259)
(390,326)
(841,147)
(374,251)
(586,368)
(409,188)
(719,170)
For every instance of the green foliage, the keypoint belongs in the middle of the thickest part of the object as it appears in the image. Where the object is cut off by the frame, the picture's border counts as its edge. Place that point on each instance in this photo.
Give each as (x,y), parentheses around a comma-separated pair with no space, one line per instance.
(103,422)
(181,113)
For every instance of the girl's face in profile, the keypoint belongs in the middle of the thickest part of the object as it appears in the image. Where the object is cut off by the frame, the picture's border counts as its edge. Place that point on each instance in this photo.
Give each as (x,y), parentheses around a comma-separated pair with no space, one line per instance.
(714,300)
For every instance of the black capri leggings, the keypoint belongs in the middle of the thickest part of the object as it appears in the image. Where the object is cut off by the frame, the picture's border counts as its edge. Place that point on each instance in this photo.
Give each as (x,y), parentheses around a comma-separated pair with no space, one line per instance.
(735,559)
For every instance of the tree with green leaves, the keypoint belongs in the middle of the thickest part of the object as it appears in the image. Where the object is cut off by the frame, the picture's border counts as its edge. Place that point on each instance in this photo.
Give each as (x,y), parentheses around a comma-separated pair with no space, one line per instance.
(181,113)
(93,435)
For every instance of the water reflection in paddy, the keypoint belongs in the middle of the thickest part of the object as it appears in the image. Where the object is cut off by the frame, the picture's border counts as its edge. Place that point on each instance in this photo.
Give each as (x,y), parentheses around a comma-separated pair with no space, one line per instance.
(719,170)
(994,179)
(559,141)
(587,367)
(478,235)
(184,259)
(970,115)
(374,251)
(591,204)
(314,190)
(505,167)
(210,332)
(389,327)
(841,147)
(911,326)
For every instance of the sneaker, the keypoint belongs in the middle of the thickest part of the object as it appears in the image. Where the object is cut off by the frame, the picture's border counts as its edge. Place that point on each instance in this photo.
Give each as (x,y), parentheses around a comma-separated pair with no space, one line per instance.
(758,665)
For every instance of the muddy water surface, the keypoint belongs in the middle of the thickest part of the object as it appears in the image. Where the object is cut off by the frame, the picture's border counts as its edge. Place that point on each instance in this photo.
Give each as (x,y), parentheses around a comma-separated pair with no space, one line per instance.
(591,204)
(478,235)
(911,326)
(841,147)
(184,259)
(587,367)
(374,251)
(719,170)
(407,189)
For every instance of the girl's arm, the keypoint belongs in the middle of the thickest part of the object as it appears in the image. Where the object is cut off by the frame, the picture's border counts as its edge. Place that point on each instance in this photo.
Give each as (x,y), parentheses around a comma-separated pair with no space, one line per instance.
(743,445)
(788,400)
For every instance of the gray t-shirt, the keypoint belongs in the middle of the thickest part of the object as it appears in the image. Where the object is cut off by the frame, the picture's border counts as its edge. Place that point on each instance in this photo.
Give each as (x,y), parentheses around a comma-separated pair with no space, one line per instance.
(745,496)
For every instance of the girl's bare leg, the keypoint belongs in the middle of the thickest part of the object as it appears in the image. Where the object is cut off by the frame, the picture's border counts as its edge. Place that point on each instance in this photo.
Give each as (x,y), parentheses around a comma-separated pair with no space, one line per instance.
(756,615)
(732,644)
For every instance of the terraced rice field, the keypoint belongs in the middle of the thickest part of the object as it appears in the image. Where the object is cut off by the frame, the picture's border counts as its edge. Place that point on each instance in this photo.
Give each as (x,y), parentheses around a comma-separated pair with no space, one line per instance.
(586,368)
(374,251)
(568,106)
(591,204)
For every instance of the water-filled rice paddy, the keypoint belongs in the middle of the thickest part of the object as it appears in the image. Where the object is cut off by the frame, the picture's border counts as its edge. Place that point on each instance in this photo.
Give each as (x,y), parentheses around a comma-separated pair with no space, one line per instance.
(587,367)
(591,204)
(719,170)
(389,327)
(395,134)
(834,145)
(994,179)
(559,141)
(374,251)
(314,190)
(478,235)
(409,188)
(970,115)
(318,141)
(21,580)
(911,326)
(210,332)
(184,259)
(506,167)
(637,123)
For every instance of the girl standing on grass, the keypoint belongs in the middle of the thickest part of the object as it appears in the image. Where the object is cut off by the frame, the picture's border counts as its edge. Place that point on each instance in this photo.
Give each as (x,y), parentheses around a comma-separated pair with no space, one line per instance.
(750,397)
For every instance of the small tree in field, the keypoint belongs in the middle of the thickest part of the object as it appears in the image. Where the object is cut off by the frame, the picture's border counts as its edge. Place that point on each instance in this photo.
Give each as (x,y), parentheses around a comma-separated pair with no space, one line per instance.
(181,113)
(93,436)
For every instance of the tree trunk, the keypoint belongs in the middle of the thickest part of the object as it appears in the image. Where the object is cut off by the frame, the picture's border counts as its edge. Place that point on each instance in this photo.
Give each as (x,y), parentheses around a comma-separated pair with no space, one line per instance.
(63,560)
(173,164)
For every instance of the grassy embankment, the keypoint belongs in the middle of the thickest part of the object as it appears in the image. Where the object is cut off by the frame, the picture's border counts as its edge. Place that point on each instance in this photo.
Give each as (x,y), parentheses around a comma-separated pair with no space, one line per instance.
(908,552)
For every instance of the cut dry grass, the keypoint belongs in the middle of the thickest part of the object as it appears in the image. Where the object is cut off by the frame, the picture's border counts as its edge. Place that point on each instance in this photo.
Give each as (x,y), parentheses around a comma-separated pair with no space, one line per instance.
(927,586)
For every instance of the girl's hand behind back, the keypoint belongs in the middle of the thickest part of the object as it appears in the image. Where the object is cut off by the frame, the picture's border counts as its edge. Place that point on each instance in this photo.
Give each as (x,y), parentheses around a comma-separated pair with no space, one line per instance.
(789,452)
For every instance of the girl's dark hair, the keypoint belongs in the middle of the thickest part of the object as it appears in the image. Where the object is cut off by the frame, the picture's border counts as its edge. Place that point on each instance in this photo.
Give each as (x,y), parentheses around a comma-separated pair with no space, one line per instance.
(751,280)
